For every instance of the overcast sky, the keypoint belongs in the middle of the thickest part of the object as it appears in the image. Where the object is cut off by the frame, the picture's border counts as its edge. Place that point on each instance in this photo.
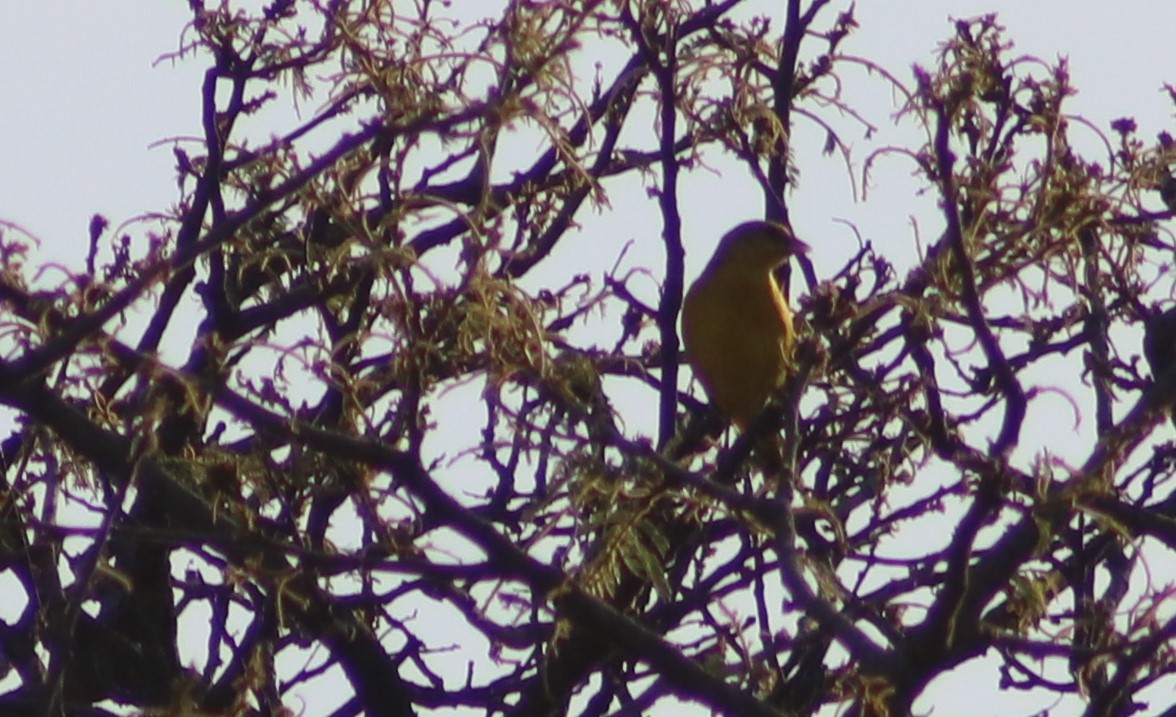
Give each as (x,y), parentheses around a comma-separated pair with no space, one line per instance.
(82,100)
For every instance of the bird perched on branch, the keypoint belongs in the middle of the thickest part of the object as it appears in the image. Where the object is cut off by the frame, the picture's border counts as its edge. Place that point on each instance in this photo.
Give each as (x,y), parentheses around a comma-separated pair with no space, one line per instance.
(736,323)
(1159,344)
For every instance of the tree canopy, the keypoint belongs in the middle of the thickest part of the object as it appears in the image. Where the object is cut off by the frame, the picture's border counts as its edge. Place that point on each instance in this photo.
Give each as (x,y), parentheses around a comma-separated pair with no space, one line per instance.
(358,420)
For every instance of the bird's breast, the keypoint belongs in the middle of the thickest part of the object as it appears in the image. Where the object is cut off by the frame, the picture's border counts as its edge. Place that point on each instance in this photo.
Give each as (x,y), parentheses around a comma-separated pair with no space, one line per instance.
(738,335)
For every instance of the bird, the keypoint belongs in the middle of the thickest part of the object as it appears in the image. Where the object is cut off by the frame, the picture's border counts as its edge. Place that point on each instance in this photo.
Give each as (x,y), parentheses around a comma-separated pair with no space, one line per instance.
(1159,344)
(736,324)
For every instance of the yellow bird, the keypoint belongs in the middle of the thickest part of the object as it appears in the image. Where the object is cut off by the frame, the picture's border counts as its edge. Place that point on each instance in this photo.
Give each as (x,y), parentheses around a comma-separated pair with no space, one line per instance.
(1159,344)
(736,323)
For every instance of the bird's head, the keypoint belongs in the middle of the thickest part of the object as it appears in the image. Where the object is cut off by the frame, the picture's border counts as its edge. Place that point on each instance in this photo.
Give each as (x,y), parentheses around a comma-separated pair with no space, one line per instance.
(763,245)
(1159,326)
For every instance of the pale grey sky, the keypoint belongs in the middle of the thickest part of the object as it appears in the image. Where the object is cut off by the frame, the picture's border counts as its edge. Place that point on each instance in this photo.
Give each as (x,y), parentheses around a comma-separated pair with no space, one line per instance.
(82,102)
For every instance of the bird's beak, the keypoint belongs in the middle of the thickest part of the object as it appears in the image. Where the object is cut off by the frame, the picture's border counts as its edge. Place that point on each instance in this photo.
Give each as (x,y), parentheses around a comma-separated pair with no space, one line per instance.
(799,247)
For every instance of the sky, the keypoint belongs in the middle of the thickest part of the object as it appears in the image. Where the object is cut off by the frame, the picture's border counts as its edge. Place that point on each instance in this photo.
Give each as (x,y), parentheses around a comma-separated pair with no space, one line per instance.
(87,104)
